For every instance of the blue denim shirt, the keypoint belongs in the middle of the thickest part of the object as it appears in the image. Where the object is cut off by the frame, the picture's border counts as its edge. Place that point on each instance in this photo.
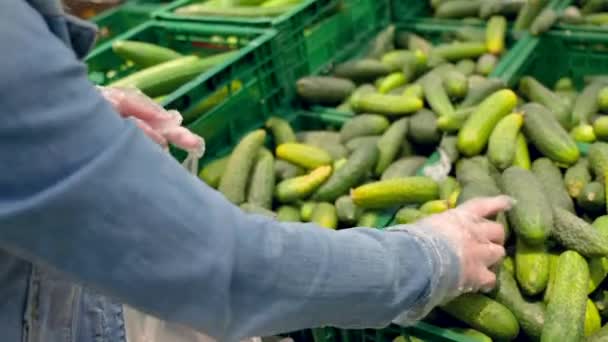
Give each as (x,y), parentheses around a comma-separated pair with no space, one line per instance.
(86,198)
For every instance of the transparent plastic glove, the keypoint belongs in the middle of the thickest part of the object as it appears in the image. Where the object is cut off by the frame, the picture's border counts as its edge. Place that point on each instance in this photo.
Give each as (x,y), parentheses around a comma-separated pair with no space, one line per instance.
(465,246)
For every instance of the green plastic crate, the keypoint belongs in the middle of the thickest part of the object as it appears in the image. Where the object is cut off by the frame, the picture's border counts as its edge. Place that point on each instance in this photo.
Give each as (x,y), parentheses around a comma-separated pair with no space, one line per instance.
(118,20)
(249,71)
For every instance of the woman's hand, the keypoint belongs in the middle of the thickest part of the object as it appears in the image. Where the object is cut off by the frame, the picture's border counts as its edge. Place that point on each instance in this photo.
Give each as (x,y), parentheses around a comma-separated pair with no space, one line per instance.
(162,126)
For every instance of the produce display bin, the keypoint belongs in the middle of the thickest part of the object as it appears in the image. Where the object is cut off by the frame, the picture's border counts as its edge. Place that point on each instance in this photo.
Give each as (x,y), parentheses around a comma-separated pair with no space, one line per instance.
(116,21)
(241,83)
(581,27)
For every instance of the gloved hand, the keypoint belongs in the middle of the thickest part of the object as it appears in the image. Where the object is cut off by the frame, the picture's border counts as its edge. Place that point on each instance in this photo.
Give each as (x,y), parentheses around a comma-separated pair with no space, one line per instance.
(160,125)
(465,246)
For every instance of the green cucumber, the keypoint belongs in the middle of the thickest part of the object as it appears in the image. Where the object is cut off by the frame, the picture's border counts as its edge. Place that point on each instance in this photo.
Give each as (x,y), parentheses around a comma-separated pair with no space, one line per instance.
(284,170)
(457,51)
(553,258)
(324,214)
(574,233)
(503,140)
(531,267)
(528,13)
(358,165)
(583,133)
(598,159)
(306,209)
(454,122)
(254,209)
(383,42)
(564,84)
(143,54)
(485,315)
(408,215)
(281,130)
(261,186)
(543,21)
(537,92)
(212,172)
(480,92)
(474,135)
(346,210)
(598,267)
(386,104)
(363,125)
(287,213)
(455,83)
(306,156)
(204,10)
(496,30)
(600,128)
(301,187)
(395,192)
(436,95)
(423,128)
(600,336)
(486,64)
(234,181)
(362,70)
(368,219)
(586,104)
(592,198)
(389,144)
(466,66)
(531,216)
(593,321)
(392,81)
(458,9)
(550,138)
(414,90)
(434,207)
(449,146)
(327,141)
(522,154)
(470,34)
(324,90)
(404,167)
(551,179)
(577,177)
(358,142)
(602,99)
(565,317)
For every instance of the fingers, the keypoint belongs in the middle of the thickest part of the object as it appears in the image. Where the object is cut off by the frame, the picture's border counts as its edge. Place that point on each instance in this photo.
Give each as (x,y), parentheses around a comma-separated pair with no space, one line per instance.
(151,133)
(183,138)
(486,230)
(488,206)
(487,280)
(131,102)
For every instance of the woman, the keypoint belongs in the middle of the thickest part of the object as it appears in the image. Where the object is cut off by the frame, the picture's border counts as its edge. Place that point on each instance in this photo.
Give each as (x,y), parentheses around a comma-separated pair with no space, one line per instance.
(86,196)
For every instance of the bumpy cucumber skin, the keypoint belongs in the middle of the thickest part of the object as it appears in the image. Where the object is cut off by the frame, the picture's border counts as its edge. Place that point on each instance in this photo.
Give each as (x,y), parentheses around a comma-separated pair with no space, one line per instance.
(486,64)
(324,89)
(574,233)
(423,128)
(346,210)
(358,142)
(543,21)
(495,34)
(324,214)
(281,131)
(586,104)
(485,315)
(389,144)
(531,216)
(577,177)
(458,9)
(474,135)
(531,267)
(600,336)
(550,138)
(303,155)
(457,51)
(363,70)
(551,179)
(593,321)
(363,125)
(434,207)
(261,186)
(213,172)
(553,258)
(565,316)
(301,187)
(386,104)
(357,166)
(531,316)
(503,140)
(254,209)
(284,170)
(404,167)
(287,213)
(480,92)
(598,159)
(592,199)
(395,192)
(600,128)
(408,215)
(527,14)
(234,181)
(436,95)
(537,92)
(456,84)
(522,154)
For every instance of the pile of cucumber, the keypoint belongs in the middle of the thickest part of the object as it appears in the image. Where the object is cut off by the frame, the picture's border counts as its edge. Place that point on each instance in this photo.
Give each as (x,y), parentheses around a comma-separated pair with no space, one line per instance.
(589,12)
(535,16)
(237,8)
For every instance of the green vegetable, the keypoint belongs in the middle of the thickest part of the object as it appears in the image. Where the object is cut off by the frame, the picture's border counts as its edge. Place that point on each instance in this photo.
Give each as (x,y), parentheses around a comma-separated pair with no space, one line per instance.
(303,155)
(261,186)
(363,125)
(503,140)
(301,187)
(576,234)
(395,192)
(551,179)
(143,54)
(324,89)
(389,144)
(324,214)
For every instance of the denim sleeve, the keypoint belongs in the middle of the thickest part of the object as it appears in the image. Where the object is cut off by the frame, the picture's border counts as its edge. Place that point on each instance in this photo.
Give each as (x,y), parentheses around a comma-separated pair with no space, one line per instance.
(85,192)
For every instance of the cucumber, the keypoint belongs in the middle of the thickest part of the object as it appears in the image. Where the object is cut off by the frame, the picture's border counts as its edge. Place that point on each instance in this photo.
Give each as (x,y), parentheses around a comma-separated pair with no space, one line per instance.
(392,81)
(550,138)
(486,64)
(386,104)
(395,192)
(389,144)
(455,84)
(598,159)
(346,210)
(586,104)
(362,70)
(470,34)
(454,122)
(339,163)
(503,7)
(474,335)
(303,186)
(543,21)
(531,267)
(576,234)
(408,215)
(324,214)
(448,187)
(527,14)
(503,140)
(592,199)
(593,321)
(598,267)
(531,216)
(204,10)
(496,30)
(466,67)
(485,315)
(565,316)
(434,207)
(207,103)
(212,172)
(553,258)
(414,90)
(449,146)
(254,209)
(592,6)
(310,137)
(537,92)
(600,336)
(522,154)
(583,133)
(143,54)
(358,142)
(602,99)
(551,179)
(423,129)
(306,210)
(531,316)
(357,166)
(281,131)
(600,128)
(480,92)
(261,186)
(564,84)
(284,170)
(234,181)
(457,51)
(417,43)
(363,125)
(306,156)
(407,62)
(599,19)
(458,9)
(471,191)
(362,89)
(368,219)
(404,167)
(436,95)
(577,177)
(324,90)
(474,135)
(287,213)
(164,78)
(382,43)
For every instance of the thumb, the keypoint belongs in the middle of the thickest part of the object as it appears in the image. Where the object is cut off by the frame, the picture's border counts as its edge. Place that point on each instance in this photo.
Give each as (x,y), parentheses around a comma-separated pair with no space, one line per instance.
(487,206)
